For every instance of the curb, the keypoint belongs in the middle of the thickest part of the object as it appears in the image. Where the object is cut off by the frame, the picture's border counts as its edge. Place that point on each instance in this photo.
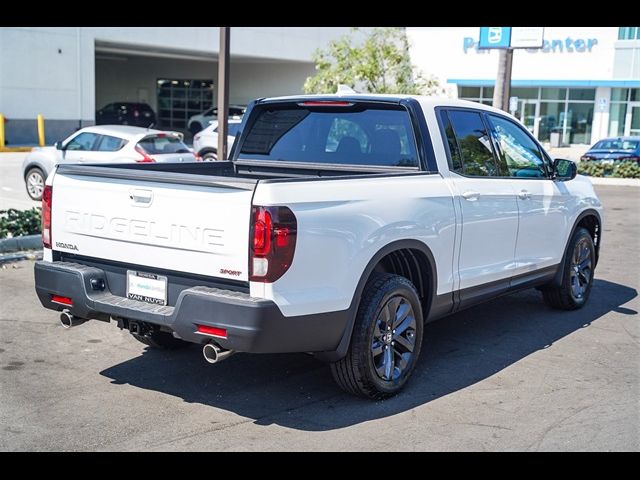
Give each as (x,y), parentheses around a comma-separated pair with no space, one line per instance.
(25,242)
(15,149)
(622,182)
(17,256)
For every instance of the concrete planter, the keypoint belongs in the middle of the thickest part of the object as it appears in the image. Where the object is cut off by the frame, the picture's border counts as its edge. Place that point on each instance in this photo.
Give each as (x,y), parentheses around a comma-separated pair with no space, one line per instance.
(26,242)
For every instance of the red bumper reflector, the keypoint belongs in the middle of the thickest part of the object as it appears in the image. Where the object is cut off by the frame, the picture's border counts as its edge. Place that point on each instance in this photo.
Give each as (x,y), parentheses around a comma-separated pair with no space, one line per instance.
(62,300)
(216,332)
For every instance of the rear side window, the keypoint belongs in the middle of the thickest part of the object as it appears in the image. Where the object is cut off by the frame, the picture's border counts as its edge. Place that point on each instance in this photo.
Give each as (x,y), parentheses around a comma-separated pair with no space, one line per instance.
(110,144)
(161,144)
(474,142)
(455,162)
(233,129)
(352,135)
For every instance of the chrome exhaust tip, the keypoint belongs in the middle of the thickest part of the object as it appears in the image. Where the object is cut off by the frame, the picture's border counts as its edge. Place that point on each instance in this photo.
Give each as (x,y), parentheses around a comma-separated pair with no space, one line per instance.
(214,353)
(67,320)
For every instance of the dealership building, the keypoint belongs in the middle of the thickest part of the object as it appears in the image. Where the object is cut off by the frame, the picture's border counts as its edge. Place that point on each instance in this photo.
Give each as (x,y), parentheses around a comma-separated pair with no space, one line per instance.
(583,84)
(66,74)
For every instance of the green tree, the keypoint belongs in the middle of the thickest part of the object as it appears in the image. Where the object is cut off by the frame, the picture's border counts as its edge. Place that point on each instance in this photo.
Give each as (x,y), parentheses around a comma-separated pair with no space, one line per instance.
(379,64)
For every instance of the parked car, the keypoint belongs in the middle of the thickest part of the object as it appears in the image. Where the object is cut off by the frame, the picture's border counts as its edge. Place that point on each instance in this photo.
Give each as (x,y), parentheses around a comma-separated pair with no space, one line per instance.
(103,144)
(126,113)
(616,148)
(205,143)
(200,121)
(341,224)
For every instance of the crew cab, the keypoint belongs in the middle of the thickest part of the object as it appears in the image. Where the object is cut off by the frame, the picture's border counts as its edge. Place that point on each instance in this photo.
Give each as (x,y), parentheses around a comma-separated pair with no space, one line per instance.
(339,225)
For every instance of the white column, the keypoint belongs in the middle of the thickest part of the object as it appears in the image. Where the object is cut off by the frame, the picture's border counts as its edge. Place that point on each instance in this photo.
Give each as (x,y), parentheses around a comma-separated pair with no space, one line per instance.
(601,114)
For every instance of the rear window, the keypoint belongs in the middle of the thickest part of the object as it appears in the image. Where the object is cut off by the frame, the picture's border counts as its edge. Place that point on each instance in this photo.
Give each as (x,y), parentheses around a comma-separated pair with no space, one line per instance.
(157,145)
(355,135)
(616,145)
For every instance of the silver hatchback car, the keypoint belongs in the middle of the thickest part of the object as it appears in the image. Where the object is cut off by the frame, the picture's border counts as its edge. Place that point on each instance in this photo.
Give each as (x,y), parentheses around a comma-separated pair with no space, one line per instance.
(104,144)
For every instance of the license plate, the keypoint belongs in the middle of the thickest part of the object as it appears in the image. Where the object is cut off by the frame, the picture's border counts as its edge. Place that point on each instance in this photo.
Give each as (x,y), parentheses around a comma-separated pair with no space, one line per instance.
(147,287)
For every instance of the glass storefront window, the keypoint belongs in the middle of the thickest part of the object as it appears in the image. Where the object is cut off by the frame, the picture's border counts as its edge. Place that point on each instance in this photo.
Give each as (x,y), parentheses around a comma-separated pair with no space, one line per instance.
(635,95)
(617,115)
(525,93)
(554,93)
(579,121)
(487,92)
(582,94)
(469,92)
(180,99)
(619,94)
(551,116)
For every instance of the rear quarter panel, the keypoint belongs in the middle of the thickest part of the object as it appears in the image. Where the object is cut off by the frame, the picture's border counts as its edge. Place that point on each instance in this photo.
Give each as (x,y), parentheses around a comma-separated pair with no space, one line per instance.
(342,224)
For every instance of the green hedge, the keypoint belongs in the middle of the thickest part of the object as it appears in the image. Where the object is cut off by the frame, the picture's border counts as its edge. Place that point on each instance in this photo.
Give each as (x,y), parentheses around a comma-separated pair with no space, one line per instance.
(14,223)
(618,169)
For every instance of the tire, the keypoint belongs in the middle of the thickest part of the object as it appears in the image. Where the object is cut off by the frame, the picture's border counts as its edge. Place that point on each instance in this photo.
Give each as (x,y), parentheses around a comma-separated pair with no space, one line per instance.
(34,182)
(578,274)
(161,340)
(210,157)
(195,127)
(365,373)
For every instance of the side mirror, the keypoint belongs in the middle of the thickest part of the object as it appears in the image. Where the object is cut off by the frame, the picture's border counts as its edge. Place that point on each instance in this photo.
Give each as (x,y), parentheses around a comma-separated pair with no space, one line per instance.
(58,145)
(564,170)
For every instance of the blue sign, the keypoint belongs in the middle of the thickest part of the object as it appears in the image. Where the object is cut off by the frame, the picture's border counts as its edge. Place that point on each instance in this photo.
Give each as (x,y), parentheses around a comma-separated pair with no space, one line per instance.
(495,37)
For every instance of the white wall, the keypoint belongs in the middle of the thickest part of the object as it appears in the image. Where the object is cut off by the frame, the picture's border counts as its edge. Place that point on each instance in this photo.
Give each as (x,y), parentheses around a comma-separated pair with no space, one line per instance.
(35,78)
(440,51)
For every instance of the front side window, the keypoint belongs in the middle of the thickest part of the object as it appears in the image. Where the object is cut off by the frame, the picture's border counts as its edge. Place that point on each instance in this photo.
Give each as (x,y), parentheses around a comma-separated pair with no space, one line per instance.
(111,144)
(85,142)
(353,134)
(475,144)
(517,150)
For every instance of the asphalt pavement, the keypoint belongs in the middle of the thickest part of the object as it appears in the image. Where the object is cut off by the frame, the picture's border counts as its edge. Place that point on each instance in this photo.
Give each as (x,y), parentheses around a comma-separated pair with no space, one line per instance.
(511,374)
(13,193)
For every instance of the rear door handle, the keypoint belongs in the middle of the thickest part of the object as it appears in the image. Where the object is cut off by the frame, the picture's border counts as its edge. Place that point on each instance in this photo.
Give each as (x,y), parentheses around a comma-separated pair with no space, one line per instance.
(524,195)
(471,195)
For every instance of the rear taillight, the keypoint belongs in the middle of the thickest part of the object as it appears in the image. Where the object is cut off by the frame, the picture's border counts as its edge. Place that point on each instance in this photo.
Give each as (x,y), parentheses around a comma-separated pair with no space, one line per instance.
(145,158)
(47,197)
(273,243)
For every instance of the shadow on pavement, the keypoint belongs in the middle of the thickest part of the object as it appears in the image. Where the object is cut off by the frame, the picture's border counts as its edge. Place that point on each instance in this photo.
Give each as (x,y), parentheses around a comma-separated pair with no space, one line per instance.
(296,391)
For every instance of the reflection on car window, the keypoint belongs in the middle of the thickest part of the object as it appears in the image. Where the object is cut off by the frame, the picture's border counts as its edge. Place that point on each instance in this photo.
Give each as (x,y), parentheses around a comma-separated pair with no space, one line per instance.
(617,144)
(84,142)
(355,135)
(161,144)
(475,145)
(517,150)
(111,144)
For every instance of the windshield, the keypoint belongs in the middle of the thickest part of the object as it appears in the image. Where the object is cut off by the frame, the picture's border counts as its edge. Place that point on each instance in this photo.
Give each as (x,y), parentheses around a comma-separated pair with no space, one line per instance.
(161,144)
(348,135)
(630,145)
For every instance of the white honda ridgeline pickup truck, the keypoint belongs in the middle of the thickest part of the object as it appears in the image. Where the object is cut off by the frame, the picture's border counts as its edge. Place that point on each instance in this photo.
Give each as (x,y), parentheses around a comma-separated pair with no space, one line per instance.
(340,225)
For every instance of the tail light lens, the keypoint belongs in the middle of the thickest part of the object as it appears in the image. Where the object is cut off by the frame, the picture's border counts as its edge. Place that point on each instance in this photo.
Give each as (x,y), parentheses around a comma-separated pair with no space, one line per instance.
(145,158)
(47,197)
(273,234)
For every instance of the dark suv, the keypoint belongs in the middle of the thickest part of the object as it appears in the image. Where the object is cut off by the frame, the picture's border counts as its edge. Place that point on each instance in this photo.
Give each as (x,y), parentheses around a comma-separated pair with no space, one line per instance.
(126,113)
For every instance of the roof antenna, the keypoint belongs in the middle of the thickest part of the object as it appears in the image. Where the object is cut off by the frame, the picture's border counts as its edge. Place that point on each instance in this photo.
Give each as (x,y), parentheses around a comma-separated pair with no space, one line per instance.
(345,90)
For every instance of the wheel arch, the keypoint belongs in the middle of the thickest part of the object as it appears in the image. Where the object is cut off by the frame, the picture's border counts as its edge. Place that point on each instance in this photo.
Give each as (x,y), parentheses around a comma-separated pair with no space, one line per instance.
(409,258)
(592,221)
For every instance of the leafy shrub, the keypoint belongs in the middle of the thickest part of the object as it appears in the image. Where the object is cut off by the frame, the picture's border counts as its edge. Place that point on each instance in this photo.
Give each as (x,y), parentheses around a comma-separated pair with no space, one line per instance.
(14,223)
(617,169)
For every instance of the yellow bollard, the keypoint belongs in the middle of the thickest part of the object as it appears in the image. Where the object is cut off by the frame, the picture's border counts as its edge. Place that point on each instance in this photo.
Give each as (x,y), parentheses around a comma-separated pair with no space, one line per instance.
(40,130)
(1,131)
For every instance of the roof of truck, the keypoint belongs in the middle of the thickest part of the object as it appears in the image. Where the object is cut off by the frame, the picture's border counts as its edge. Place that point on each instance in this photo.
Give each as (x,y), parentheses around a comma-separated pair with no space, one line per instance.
(425,100)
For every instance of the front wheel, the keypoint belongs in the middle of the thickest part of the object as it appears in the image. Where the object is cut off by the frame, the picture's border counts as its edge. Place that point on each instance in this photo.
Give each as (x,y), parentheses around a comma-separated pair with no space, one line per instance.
(386,339)
(577,280)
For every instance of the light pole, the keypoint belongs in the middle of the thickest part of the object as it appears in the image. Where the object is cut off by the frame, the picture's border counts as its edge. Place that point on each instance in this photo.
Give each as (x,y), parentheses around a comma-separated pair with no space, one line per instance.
(223,92)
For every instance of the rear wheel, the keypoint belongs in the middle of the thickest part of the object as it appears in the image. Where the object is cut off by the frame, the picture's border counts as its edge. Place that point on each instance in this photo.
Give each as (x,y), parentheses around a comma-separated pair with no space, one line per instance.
(386,339)
(577,280)
(34,181)
(210,157)
(160,340)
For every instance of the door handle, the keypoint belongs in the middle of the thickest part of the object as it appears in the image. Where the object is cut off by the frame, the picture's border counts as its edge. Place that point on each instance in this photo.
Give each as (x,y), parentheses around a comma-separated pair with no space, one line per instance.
(524,195)
(471,195)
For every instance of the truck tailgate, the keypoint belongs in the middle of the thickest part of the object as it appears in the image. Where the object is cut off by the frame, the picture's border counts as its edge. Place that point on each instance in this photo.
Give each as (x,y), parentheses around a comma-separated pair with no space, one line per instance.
(181,222)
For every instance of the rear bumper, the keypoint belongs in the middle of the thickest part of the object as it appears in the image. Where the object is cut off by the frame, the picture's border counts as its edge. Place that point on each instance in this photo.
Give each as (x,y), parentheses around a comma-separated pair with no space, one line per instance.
(252,324)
